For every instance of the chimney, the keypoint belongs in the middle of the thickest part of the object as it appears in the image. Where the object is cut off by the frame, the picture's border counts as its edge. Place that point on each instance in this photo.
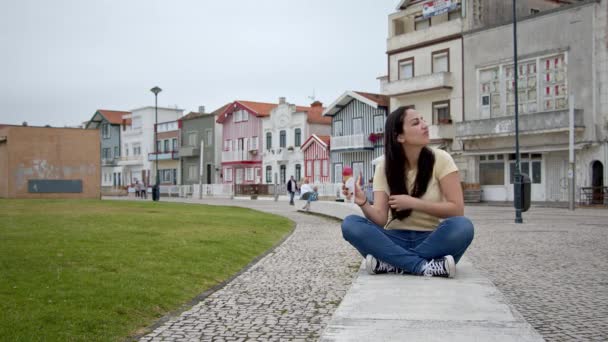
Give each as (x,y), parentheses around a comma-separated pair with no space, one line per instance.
(201,109)
(281,100)
(316,104)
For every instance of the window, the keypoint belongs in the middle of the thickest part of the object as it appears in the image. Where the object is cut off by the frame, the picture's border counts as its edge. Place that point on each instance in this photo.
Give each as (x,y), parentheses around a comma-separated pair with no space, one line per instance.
(298,137)
(379,124)
(441,113)
(282,139)
(236,116)
(325,168)
(337,172)
(174,144)
(441,61)
(282,174)
(358,170)
(526,82)
(192,139)
(338,128)
(421,23)
(491,170)
(126,150)
(554,92)
(136,123)
(136,149)
(166,176)
(192,172)
(309,168)
(253,143)
(159,146)
(268,174)
(105,131)
(357,125)
(490,93)
(228,174)
(227,145)
(527,162)
(106,153)
(406,68)
(249,174)
(209,137)
(268,140)
(317,174)
(166,145)
(298,172)
(116,152)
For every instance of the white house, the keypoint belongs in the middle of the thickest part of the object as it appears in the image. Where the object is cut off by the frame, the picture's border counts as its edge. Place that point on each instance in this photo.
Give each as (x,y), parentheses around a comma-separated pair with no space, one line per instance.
(284,131)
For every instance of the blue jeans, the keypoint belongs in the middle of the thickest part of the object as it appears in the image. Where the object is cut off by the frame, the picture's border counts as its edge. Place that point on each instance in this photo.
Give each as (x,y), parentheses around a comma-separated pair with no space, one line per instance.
(408,249)
(291,194)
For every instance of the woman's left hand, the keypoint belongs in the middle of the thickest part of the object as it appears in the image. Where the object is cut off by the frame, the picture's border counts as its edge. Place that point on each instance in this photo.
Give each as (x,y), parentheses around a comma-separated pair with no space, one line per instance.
(401,202)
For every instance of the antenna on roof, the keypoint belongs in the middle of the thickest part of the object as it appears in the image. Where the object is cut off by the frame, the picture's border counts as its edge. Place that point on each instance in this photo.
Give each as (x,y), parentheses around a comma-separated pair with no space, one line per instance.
(312,98)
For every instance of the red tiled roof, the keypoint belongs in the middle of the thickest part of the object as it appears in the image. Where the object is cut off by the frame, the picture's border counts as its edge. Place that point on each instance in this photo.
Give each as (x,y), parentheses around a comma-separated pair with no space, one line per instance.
(113,116)
(261,108)
(314,113)
(325,138)
(381,100)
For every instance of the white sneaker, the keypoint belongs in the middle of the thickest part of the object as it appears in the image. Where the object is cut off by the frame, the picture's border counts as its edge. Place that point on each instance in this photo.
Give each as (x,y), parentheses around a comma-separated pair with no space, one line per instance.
(375,266)
(444,267)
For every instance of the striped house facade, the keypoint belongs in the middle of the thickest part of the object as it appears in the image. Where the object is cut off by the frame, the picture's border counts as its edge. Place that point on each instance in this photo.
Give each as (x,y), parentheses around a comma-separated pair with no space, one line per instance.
(241,141)
(316,159)
(357,138)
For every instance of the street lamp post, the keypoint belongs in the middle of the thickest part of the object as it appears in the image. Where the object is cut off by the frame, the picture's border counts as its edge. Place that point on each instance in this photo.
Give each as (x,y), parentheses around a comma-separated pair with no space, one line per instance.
(517,181)
(155,188)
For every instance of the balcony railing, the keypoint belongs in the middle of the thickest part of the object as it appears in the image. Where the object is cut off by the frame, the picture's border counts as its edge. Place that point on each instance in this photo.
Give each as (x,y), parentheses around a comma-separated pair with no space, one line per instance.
(441,132)
(442,30)
(170,155)
(109,161)
(232,156)
(543,122)
(351,142)
(418,84)
(189,151)
(130,160)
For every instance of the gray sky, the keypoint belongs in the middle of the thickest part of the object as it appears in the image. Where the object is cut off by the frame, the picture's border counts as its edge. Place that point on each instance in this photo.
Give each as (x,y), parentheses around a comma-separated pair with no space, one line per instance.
(63,59)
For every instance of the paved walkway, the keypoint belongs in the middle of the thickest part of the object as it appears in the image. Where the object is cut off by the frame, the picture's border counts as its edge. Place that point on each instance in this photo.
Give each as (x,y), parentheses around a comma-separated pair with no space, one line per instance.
(289,295)
(552,269)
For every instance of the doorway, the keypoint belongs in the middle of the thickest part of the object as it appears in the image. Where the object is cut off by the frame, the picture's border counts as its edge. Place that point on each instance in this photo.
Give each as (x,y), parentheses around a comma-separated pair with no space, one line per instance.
(597,182)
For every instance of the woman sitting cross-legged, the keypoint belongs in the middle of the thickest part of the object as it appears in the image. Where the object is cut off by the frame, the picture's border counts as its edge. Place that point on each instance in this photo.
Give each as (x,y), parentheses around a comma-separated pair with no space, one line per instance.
(418,227)
(309,194)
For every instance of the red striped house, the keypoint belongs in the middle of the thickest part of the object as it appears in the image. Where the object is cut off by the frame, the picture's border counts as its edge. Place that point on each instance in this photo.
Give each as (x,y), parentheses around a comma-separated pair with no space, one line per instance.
(316,158)
(241,141)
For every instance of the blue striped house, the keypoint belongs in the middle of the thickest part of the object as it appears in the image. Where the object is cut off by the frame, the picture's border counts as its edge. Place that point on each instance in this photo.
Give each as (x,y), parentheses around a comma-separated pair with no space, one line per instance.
(357,133)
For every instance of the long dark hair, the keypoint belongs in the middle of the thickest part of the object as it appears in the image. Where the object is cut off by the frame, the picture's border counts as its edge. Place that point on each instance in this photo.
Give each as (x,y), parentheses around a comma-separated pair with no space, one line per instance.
(395,163)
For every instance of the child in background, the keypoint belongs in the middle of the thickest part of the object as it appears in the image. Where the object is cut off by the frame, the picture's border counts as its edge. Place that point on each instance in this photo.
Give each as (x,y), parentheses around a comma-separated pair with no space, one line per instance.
(349,183)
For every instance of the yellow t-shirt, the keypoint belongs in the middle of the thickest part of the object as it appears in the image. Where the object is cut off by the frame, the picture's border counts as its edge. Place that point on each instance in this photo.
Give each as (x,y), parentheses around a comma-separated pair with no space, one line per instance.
(444,165)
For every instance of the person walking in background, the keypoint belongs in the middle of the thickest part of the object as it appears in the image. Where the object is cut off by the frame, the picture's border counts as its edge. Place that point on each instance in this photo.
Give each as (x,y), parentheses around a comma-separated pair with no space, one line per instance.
(309,194)
(292,187)
(144,190)
(414,188)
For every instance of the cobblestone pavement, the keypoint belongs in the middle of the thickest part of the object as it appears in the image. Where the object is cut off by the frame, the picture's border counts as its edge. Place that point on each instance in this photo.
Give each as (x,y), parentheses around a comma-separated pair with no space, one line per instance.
(289,295)
(553,267)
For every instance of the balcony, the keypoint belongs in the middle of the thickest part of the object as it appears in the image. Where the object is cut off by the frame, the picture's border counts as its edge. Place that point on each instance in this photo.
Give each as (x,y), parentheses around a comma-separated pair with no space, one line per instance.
(351,142)
(109,161)
(170,155)
(189,151)
(130,160)
(235,156)
(412,38)
(441,132)
(425,83)
(536,123)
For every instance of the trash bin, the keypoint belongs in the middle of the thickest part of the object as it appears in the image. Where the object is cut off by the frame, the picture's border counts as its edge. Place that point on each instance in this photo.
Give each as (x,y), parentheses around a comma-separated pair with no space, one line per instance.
(522,191)
(155,192)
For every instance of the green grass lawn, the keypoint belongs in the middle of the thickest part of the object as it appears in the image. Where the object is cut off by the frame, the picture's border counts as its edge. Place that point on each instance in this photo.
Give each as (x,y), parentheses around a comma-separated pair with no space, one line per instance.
(103,270)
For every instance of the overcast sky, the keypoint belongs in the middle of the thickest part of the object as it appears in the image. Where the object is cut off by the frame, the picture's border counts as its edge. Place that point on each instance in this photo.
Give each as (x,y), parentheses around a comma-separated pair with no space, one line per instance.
(63,59)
